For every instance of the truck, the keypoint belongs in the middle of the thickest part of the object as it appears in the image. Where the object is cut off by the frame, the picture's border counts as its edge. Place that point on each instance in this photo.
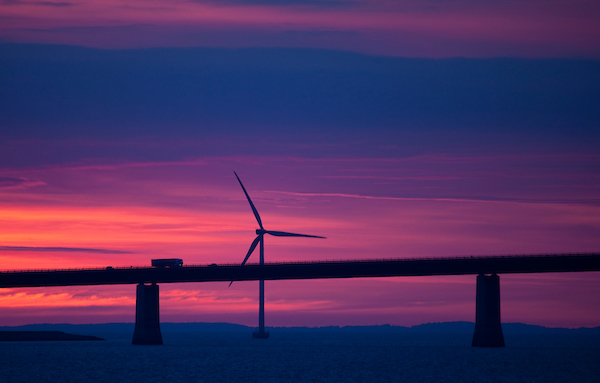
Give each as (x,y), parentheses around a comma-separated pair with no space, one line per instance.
(167,262)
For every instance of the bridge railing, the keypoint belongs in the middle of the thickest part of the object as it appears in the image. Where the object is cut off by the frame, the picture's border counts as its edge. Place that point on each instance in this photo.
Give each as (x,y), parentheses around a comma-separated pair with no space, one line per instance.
(471,257)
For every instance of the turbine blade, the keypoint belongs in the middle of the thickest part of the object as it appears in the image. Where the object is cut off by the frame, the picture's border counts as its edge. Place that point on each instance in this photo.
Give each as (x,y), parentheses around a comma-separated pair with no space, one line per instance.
(286,234)
(249,200)
(252,247)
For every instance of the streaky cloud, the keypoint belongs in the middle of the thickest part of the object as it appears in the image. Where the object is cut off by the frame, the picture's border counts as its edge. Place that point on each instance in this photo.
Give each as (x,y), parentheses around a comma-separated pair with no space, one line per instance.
(63,249)
(100,166)
(413,178)
(589,201)
(57,4)
(18,182)
(285,3)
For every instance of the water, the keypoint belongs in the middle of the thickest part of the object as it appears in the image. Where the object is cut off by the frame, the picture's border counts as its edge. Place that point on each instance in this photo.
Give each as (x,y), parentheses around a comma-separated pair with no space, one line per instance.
(304,356)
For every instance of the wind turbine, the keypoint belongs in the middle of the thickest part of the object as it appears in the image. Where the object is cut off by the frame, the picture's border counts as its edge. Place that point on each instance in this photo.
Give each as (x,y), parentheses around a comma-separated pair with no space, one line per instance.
(260,238)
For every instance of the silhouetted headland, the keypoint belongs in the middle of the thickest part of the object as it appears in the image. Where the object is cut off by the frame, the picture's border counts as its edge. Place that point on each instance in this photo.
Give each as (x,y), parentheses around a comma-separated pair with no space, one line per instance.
(42,335)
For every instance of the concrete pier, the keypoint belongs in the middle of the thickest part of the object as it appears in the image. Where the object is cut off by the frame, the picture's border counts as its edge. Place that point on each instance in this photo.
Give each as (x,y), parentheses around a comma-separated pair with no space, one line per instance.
(488,328)
(147,316)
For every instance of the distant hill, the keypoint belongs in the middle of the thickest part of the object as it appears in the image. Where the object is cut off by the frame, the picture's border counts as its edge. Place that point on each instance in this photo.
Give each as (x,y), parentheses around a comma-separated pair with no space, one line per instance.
(440,327)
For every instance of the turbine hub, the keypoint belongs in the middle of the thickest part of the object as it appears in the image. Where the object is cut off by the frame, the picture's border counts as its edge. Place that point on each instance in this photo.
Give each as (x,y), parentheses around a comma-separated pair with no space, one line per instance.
(260,231)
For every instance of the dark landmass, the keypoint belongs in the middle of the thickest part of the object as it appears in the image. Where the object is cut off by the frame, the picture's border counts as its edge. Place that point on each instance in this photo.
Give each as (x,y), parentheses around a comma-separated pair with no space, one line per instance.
(445,328)
(439,328)
(42,335)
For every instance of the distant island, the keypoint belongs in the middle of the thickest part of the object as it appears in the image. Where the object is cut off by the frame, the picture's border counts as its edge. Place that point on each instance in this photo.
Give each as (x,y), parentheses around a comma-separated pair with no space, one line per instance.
(14,336)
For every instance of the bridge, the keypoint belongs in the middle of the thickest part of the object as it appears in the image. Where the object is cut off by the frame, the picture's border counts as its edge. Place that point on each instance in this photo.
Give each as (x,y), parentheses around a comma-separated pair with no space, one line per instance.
(488,330)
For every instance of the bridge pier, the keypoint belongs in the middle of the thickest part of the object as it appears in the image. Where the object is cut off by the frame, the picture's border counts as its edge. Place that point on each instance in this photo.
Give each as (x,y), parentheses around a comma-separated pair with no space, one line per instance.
(488,328)
(147,316)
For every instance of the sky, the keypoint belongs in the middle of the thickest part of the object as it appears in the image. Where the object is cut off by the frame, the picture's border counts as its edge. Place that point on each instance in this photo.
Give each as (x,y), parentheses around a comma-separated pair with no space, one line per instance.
(396,129)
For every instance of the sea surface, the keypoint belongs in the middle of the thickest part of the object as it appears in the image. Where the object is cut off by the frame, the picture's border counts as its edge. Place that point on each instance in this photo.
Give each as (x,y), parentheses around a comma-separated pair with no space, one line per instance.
(304,356)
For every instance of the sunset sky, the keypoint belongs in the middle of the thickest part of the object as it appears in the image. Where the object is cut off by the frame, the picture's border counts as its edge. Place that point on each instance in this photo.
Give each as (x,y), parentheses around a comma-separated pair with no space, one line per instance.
(396,129)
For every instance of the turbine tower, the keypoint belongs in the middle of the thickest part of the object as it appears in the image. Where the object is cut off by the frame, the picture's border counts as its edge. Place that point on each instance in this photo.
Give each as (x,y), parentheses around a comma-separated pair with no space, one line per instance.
(260,333)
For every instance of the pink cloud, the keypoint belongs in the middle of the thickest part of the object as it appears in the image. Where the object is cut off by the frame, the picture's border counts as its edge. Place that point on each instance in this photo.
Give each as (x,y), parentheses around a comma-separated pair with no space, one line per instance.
(430,29)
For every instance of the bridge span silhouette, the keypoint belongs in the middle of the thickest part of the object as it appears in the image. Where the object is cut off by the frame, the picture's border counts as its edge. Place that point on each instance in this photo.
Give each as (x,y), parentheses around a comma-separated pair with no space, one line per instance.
(488,330)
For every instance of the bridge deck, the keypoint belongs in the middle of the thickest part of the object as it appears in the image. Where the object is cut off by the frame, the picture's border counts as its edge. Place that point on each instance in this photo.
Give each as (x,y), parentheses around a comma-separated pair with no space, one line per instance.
(541,263)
